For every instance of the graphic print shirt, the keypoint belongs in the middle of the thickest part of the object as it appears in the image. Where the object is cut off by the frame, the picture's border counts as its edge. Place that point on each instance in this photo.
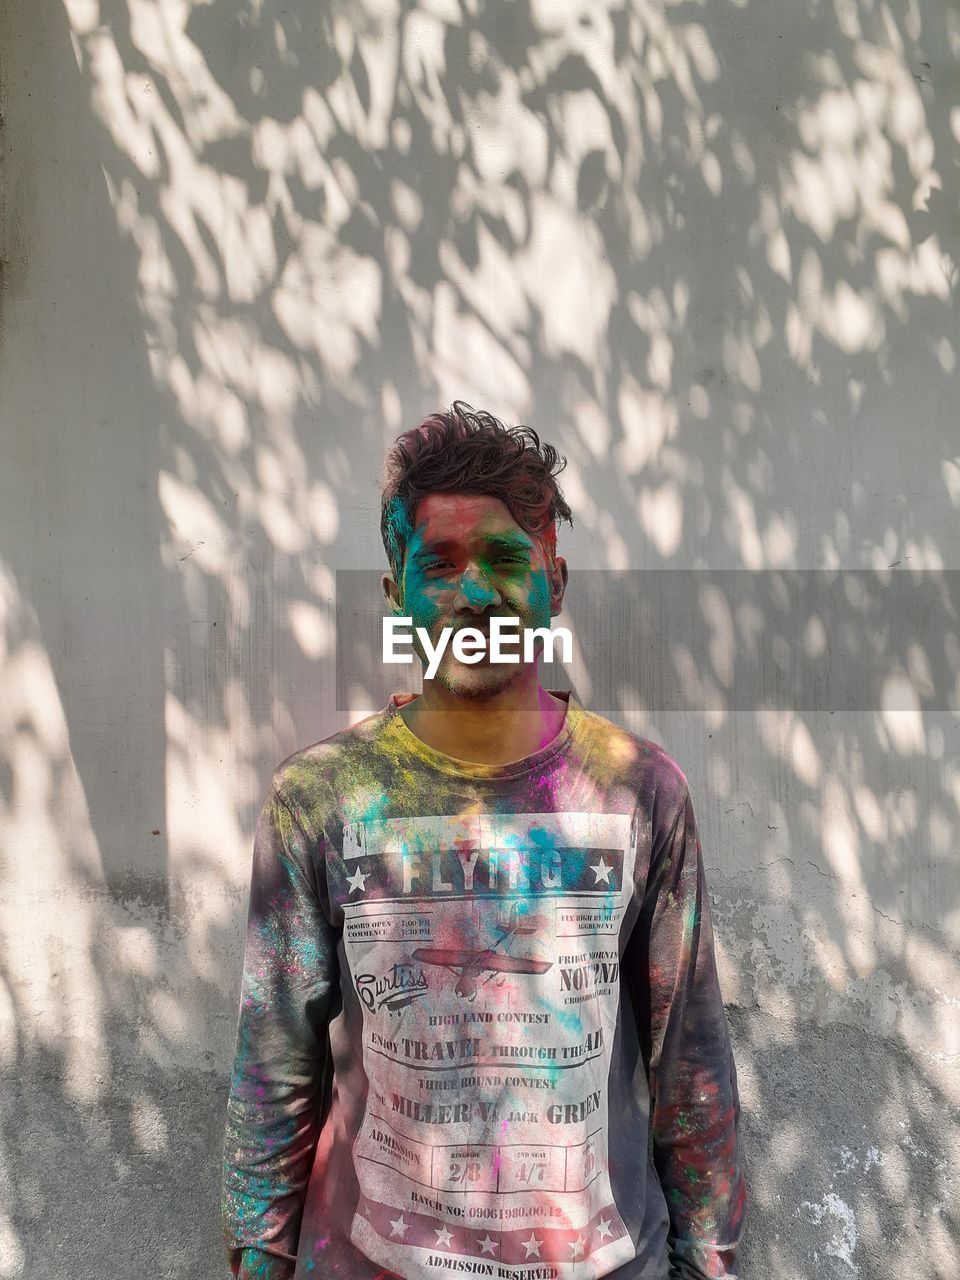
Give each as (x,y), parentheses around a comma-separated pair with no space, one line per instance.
(480,1028)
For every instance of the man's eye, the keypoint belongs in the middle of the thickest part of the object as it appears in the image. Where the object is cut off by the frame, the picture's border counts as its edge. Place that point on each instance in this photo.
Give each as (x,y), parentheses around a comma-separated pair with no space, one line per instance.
(448,564)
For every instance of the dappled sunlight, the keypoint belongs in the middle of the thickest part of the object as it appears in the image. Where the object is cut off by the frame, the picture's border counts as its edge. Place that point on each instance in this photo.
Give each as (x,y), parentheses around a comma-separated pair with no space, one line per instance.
(54,992)
(65,985)
(193,771)
(147,1123)
(901,718)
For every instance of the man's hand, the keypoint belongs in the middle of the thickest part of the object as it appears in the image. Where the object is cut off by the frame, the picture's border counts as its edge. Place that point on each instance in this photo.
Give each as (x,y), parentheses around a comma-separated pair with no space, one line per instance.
(254,1264)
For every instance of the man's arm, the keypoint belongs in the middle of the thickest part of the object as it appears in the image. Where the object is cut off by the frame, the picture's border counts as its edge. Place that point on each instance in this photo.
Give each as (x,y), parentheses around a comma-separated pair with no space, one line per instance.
(695,1106)
(276,1088)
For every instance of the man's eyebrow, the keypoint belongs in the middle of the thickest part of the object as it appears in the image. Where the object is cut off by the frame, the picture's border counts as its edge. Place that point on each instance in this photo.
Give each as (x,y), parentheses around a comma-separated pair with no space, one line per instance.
(441,544)
(498,541)
(511,541)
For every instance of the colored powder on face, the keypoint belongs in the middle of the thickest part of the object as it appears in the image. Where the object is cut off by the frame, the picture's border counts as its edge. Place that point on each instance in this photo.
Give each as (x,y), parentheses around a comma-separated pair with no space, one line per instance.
(526,591)
(540,598)
(399,533)
(418,601)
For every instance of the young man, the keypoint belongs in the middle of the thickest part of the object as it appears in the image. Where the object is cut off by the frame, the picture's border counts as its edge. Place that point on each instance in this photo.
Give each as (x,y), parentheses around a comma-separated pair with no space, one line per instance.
(480,1028)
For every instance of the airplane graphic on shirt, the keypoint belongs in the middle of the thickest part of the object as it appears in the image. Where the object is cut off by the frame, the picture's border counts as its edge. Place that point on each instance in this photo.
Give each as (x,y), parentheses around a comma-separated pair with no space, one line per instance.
(469,965)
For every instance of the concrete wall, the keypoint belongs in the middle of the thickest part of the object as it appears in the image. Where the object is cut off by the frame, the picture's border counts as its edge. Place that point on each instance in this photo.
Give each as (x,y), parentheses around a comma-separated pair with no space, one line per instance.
(712,253)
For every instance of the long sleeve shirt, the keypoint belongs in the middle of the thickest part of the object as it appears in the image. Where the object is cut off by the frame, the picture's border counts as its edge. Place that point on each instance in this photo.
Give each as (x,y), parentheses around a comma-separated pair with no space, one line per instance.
(480,1027)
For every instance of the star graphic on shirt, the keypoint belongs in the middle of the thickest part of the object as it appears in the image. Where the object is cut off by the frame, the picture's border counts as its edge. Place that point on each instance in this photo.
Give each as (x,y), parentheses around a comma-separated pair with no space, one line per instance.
(601,872)
(398,1227)
(486,1244)
(576,1246)
(532,1246)
(357,881)
(603,1229)
(443,1236)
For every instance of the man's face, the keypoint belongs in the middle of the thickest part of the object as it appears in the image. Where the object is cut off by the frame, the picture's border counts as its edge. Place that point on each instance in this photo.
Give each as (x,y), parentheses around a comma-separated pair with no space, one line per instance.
(469,561)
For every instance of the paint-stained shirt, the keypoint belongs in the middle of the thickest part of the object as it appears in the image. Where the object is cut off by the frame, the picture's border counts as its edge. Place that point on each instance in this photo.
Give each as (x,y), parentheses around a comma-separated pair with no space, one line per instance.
(480,1029)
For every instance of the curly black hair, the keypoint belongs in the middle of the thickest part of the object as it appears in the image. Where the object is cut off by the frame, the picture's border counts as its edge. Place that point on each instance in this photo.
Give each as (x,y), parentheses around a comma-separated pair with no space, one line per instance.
(467,450)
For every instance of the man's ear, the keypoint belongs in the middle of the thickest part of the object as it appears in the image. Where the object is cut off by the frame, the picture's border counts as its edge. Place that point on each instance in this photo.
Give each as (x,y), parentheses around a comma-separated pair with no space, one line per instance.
(558,585)
(393,594)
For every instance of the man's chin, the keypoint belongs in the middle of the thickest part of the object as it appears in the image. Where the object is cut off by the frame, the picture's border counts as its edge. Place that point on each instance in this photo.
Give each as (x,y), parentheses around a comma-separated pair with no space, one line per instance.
(475,683)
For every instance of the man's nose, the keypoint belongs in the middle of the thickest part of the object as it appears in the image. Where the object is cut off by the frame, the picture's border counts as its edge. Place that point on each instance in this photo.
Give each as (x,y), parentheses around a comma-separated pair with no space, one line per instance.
(475,591)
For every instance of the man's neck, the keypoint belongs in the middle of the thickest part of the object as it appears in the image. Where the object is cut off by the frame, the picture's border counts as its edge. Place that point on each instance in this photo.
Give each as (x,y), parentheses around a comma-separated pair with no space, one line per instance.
(498,730)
